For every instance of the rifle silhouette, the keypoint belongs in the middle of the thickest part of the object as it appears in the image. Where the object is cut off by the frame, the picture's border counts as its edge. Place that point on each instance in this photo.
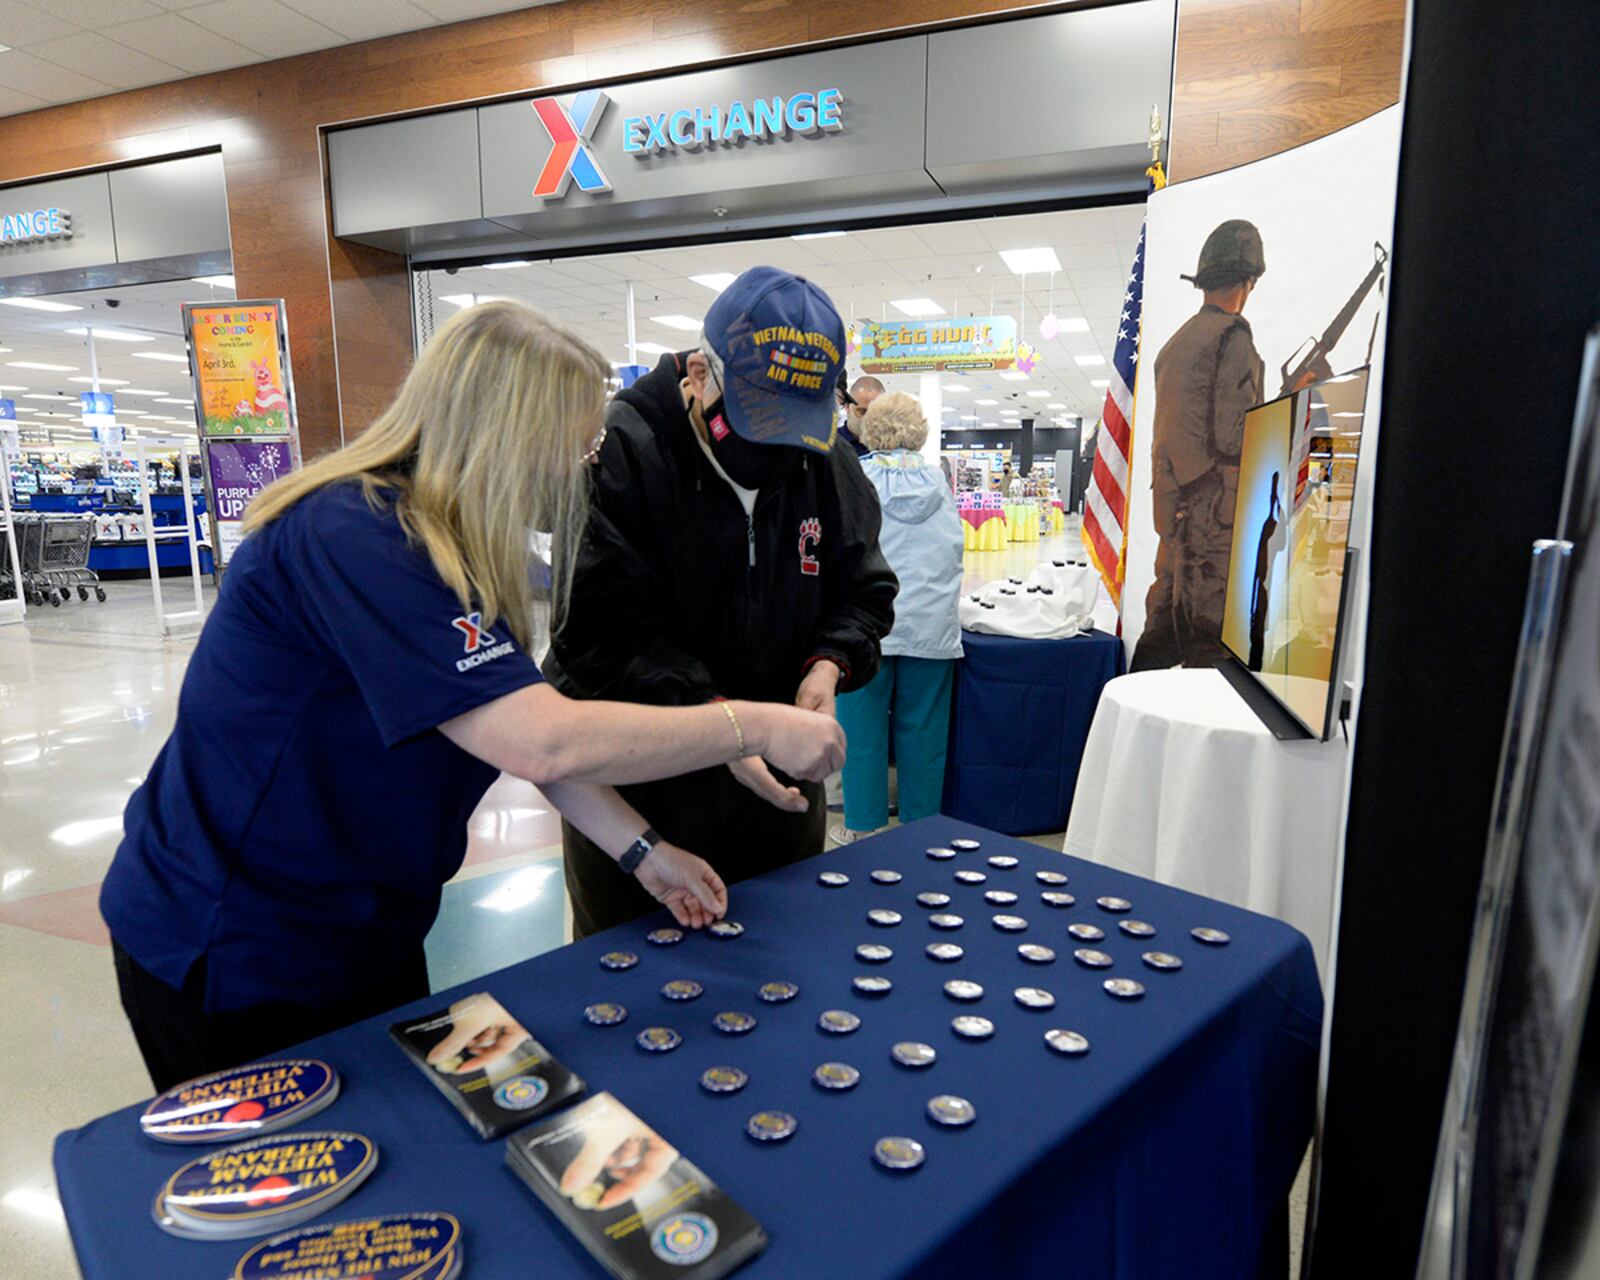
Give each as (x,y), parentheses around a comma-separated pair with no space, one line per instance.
(1315,359)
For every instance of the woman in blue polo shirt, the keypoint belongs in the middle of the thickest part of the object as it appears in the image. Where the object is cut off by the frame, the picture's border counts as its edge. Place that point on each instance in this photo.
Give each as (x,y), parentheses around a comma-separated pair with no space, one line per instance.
(363,678)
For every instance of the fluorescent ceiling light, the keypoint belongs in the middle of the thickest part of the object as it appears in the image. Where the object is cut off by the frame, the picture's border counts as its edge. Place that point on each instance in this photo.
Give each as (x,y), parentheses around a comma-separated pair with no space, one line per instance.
(506,266)
(985,402)
(104,382)
(1349,415)
(219,282)
(170,400)
(1100,382)
(1031,261)
(1039,395)
(49,395)
(1083,360)
(160,355)
(113,335)
(1014,375)
(652,348)
(34,364)
(817,235)
(39,304)
(687,323)
(139,391)
(457,299)
(6,387)
(916,307)
(1056,405)
(1074,324)
(716,281)
(955,388)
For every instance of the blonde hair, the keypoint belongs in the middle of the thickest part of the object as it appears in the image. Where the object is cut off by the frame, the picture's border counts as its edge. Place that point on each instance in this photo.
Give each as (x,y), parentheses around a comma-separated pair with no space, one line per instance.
(894,421)
(483,444)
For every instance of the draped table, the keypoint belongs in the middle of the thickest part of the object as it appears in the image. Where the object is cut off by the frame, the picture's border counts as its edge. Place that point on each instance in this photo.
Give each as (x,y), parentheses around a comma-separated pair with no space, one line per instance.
(1167,1150)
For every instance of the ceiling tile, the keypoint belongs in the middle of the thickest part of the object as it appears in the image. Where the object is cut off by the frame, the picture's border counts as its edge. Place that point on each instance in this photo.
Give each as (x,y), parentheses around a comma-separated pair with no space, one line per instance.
(93,54)
(14,103)
(266,26)
(177,40)
(25,24)
(460,10)
(93,14)
(22,71)
(363,19)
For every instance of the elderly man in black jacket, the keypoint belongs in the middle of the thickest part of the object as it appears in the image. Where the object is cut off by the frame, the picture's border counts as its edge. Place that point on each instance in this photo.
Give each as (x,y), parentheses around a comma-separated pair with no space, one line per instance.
(732,552)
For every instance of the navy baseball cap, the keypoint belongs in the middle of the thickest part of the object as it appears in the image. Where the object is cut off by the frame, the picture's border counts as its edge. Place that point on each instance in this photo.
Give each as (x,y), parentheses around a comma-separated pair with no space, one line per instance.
(781,346)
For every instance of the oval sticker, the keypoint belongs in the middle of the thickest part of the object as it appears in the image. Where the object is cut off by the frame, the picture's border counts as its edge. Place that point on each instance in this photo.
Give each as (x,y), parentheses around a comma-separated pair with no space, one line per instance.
(241,1103)
(406,1246)
(269,1177)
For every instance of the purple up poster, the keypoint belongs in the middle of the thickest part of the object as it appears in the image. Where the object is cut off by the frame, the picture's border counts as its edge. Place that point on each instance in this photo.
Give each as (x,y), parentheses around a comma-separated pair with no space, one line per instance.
(240,469)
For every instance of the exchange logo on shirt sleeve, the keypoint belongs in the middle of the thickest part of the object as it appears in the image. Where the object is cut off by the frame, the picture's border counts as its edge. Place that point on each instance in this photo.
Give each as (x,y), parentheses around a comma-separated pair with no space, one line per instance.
(479,644)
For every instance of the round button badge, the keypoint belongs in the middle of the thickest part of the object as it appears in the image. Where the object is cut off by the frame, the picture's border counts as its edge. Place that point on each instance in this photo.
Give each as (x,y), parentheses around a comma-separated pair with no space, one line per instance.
(778,992)
(886,877)
(970,877)
(734,1023)
(1000,897)
(605,1014)
(971,1027)
(874,952)
(1087,932)
(933,899)
(945,920)
(1211,937)
(944,952)
(1055,898)
(1002,861)
(961,989)
(836,1075)
(948,1109)
(1033,953)
(725,928)
(1113,904)
(1137,928)
(664,937)
(884,918)
(682,989)
(658,1039)
(618,960)
(913,1053)
(1089,958)
(1162,960)
(839,1022)
(833,879)
(1034,998)
(1010,924)
(966,844)
(1123,988)
(941,855)
(869,985)
(723,1079)
(898,1153)
(771,1126)
(1066,1042)
(1050,877)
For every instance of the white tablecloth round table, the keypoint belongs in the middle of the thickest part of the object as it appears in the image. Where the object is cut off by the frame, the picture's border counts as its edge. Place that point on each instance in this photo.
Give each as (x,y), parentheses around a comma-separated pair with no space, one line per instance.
(1182,783)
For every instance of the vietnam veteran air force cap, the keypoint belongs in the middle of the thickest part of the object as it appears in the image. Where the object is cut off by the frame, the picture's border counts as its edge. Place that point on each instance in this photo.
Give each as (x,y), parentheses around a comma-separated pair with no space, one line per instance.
(778,344)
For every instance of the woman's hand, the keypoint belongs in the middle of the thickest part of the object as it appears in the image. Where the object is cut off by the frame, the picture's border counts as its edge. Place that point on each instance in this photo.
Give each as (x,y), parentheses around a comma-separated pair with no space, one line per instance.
(803,744)
(684,884)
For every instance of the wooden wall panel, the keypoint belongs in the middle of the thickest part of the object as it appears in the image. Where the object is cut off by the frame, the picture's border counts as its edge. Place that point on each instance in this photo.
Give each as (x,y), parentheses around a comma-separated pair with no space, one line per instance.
(1255,77)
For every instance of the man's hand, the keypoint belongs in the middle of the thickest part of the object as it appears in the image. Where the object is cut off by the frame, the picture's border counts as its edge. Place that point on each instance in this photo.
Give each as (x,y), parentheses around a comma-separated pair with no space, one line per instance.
(618,1145)
(817,690)
(481,1033)
(684,884)
(752,772)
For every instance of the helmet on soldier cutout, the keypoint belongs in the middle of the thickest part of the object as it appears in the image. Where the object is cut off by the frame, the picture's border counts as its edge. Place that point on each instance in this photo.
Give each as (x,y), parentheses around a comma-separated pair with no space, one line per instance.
(1231,253)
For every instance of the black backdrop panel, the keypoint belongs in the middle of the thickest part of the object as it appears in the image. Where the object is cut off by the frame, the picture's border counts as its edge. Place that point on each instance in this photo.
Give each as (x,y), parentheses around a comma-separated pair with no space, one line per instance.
(1496,278)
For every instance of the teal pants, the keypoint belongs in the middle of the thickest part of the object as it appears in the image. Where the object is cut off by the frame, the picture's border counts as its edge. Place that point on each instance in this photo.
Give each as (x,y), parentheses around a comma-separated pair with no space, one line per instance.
(909,697)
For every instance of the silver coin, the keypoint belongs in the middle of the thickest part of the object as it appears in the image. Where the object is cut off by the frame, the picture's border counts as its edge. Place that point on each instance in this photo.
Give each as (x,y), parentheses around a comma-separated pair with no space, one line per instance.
(961,989)
(1055,898)
(933,899)
(1067,1042)
(771,1126)
(886,877)
(1113,904)
(1211,937)
(606,1014)
(966,844)
(1034,998)
(723,1079)
(1010,924)
(883,917)
(1163,960)
(971,877)
(869,986)
(664,937)
(874,952)
(839,1022)
(898,1153)
(833,879)
(1087,932)
(951,1110)
(944,920)
(1123,988)
(1000,898)
(682,989)
(836,1075)
(1137,928)
(1089,958)
(724,928)
(618,960)
(945,951)
(971,1027)
(1050,877)
(913,1053)
(1002,861)
(941,855)
(778,992)
(658,1039)
(1033,953)
(733,1023)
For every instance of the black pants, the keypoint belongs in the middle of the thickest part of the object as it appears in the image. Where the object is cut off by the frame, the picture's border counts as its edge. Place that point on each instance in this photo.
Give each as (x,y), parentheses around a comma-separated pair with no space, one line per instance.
(179,1040)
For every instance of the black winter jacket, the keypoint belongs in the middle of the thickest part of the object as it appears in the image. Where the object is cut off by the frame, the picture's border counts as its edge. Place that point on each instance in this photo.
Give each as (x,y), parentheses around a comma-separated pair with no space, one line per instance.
(678,598)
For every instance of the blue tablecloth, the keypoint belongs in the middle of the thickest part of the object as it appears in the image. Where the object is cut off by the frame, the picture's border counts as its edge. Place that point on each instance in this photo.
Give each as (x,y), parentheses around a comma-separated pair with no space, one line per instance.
(1020,718)
(1167,1151)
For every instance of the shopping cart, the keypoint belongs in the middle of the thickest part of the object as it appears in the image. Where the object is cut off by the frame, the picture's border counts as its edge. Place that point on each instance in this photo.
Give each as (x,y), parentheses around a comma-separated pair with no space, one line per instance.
(55,558)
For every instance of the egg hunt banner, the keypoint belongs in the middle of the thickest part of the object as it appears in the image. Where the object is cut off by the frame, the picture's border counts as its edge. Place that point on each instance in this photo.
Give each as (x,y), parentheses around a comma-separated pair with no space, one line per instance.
(240,469)
(922,346)
(239,357)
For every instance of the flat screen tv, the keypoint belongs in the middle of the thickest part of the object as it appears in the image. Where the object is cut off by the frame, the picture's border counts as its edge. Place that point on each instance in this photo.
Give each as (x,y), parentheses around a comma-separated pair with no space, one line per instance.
(1284,608)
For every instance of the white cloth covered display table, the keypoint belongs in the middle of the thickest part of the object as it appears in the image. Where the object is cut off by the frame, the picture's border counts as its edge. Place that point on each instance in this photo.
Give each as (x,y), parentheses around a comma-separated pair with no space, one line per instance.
(1182,783)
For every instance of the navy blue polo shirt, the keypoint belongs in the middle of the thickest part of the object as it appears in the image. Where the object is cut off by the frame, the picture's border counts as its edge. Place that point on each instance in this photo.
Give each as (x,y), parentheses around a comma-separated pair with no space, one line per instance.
(299,823)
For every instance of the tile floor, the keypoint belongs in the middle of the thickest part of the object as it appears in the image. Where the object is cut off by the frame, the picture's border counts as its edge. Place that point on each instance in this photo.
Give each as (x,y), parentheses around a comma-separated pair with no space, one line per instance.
(87,695)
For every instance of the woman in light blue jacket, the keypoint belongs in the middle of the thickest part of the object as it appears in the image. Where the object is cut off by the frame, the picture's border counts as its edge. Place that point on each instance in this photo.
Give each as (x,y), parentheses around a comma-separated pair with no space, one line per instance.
(921,539)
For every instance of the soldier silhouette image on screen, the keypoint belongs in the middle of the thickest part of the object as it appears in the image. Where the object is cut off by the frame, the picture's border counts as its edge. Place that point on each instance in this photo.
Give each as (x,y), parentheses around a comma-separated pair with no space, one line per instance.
(1206,377)
(1259,593)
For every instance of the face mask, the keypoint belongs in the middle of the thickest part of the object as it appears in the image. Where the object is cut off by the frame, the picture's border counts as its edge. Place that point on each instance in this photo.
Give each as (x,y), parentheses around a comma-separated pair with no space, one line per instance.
(750,466)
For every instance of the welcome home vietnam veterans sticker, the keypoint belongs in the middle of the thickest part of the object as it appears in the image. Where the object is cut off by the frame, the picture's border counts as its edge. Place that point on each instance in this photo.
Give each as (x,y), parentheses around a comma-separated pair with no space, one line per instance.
(241,1103)
(408,1246)
(291,1175)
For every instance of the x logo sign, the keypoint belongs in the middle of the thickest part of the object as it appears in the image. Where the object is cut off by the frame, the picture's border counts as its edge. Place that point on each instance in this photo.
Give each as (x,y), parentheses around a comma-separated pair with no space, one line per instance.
(472,628)
(570,157)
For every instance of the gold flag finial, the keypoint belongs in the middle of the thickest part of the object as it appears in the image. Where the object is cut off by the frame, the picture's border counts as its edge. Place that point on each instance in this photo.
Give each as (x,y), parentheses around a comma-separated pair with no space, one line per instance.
(1156,174)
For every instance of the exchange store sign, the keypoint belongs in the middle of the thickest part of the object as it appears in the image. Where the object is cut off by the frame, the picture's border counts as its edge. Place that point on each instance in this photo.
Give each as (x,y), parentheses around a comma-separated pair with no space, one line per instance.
(802,114)
(32,225)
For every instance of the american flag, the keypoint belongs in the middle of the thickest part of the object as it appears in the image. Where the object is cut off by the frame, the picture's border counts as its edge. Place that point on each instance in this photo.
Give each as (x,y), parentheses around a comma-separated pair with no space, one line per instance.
(1105,514)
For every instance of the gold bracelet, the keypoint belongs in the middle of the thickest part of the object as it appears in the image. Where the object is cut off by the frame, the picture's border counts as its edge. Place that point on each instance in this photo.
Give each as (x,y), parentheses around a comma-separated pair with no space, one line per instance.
(733,719)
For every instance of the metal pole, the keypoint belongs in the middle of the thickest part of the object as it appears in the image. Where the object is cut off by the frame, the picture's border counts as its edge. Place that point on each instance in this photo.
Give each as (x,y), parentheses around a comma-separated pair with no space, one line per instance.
(192,534)
(16,609)
(633,336)
(150,535)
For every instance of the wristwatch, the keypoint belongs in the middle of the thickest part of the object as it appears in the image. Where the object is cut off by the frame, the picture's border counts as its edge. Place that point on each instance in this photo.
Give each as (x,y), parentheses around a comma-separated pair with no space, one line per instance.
(638,851)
